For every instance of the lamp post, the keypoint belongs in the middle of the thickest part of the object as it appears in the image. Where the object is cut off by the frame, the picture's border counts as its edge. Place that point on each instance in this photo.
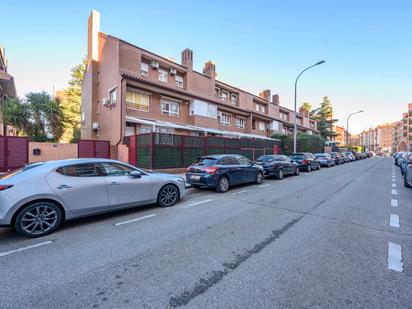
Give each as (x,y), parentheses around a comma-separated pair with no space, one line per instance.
(296,86)
(347,126)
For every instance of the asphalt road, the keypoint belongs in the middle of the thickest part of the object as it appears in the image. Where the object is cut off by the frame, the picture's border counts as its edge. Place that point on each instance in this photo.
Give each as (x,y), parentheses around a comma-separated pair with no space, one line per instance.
(325,239)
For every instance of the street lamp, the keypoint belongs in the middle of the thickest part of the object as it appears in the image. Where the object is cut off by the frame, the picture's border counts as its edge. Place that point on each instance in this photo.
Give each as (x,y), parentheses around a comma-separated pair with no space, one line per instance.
(347,126)
(296,84)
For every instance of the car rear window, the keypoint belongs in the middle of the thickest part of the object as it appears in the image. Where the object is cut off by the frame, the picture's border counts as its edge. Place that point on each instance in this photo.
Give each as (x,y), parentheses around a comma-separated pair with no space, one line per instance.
(205,161)
(20,170)
(297,156)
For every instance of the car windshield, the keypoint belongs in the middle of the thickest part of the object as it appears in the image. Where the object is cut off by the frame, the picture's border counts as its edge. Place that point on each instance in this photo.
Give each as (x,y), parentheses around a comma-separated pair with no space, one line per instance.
(205,161)
(20,170)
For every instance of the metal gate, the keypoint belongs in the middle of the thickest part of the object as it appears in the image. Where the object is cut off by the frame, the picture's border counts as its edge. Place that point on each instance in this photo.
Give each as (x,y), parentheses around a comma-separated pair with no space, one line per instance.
(14,152)
(93,149)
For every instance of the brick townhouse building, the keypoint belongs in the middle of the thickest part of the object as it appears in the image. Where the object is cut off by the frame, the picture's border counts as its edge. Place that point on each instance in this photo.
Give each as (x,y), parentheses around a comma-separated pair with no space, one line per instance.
(128,90)
(7,90)
(379,138)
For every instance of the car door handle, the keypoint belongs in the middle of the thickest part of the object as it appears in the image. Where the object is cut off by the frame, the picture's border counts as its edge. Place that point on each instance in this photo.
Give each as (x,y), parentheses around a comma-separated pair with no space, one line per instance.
(114,183)
(64,187)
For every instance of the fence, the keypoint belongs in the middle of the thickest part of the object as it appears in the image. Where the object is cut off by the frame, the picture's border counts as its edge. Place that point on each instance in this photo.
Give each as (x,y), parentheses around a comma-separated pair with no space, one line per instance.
(13,152)
(161,150)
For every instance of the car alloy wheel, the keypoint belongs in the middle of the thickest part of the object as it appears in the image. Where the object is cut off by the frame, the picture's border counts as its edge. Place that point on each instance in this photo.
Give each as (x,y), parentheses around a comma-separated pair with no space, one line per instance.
(168,196)
(259,178)
(223,185)
(38,219)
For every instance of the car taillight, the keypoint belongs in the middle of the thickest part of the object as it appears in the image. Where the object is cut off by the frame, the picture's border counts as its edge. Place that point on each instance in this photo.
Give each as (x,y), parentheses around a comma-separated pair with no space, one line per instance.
(4,187)
(305,161)
(188,170)
(210,169)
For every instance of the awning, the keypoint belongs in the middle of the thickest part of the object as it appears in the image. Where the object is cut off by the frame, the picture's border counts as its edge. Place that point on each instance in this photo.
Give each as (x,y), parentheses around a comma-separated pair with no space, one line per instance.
(165,124)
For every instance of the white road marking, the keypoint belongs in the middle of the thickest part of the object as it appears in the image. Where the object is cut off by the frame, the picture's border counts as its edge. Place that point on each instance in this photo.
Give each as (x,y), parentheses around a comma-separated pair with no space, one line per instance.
(394,192)
(240,192)
(264,186)
(394,203)
(394,185)
(394,221)
(134,220)
(395,257)
(201,202)
(25,248)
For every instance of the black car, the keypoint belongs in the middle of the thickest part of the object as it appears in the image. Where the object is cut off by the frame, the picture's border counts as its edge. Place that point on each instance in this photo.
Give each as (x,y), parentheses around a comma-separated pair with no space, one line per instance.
(278,165)
(222,171)
(307,161)
(339,158)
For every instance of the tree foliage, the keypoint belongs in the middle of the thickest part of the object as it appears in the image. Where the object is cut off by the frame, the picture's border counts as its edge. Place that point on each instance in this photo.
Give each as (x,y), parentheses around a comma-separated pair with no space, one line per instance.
(37,115)
(72,101)
(324,116)
(304,143)
(285,143)
(307,107)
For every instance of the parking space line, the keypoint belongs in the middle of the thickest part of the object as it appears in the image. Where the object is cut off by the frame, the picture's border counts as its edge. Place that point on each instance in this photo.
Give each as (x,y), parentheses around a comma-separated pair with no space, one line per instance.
(394,185)
(264,186)
(240,192)
(394,192)
(395,257)
(25,248)
(394,203)
(134,220)
(394,221)
(201,202)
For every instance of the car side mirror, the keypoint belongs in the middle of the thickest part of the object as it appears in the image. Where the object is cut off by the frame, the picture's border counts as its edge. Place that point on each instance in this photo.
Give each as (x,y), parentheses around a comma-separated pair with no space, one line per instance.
(136,174)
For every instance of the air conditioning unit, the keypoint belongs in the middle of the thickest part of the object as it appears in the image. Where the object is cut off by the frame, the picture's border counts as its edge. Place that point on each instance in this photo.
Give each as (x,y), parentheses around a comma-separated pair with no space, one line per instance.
(173,71)
(154,64)
(105,102)
(95,126)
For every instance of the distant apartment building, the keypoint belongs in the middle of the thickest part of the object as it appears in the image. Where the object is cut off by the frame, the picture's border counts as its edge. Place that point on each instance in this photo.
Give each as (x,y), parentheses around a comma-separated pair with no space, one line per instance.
(379,138)
(340,135)
(128,90)
(402,133)
(7,90)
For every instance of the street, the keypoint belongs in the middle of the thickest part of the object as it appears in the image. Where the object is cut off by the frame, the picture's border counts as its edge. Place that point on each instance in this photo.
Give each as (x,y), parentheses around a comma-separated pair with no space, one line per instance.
(338,237)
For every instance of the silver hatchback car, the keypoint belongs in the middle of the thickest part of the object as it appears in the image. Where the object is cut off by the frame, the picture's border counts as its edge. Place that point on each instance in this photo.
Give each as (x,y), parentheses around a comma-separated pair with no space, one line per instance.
(37,198)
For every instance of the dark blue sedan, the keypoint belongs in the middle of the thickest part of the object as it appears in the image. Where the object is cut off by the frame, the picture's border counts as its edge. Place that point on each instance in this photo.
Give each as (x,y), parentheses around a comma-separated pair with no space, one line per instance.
(222,171)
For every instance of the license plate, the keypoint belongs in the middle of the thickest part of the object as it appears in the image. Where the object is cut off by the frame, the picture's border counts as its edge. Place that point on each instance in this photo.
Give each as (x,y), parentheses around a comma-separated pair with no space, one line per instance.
(195,177)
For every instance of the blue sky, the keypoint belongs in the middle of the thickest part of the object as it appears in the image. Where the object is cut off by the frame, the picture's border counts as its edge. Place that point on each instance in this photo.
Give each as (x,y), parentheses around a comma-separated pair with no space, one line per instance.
(256,45)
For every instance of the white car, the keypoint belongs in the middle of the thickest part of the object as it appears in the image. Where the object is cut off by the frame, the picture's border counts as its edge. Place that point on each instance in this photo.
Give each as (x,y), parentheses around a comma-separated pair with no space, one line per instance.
(37,198)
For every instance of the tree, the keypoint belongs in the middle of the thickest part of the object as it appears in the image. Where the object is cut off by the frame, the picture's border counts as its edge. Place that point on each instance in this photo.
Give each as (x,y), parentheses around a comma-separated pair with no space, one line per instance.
(309,143)
(38,116)
(285,143)
(324,116)
(72,101)
(307,107)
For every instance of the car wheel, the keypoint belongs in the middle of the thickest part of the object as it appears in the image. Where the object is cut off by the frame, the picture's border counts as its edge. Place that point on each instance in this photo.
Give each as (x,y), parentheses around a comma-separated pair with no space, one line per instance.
(223,185)
(329,165)
(279,174)
(405,183)
(259,178)
(168,196)
(297,171)
(309,168)
(38,219)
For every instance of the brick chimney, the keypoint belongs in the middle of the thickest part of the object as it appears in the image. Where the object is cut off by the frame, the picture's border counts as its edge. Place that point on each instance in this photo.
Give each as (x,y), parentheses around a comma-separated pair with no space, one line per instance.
(275,99)
(265,94)
(93,37)
(187,58)
(210,69)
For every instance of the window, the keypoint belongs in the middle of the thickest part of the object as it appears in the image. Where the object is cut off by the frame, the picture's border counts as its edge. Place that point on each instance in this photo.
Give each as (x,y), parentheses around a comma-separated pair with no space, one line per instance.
(115,169)
(179,81)
(217,92)
(240,122)
(253,124)
(145,129)
(284,116)
(262,108)
(233,99)
(242,160)
(225,119)
(130,130)
(256,107)
(79,170)
(170,108)
(224,96)
(137,100)
(144,69)
(262,126)
(163,76)
(113,97)
(228,161)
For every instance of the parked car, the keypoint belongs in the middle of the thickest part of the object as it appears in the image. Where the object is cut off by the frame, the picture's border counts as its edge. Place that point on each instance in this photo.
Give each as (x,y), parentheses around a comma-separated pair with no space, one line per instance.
(37,198)
(351,156)
(325,159)
(407,176)
(223,171)
(397,156)
(345,157)
(278,165)
(307,161)
(406,160)
(338,158)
